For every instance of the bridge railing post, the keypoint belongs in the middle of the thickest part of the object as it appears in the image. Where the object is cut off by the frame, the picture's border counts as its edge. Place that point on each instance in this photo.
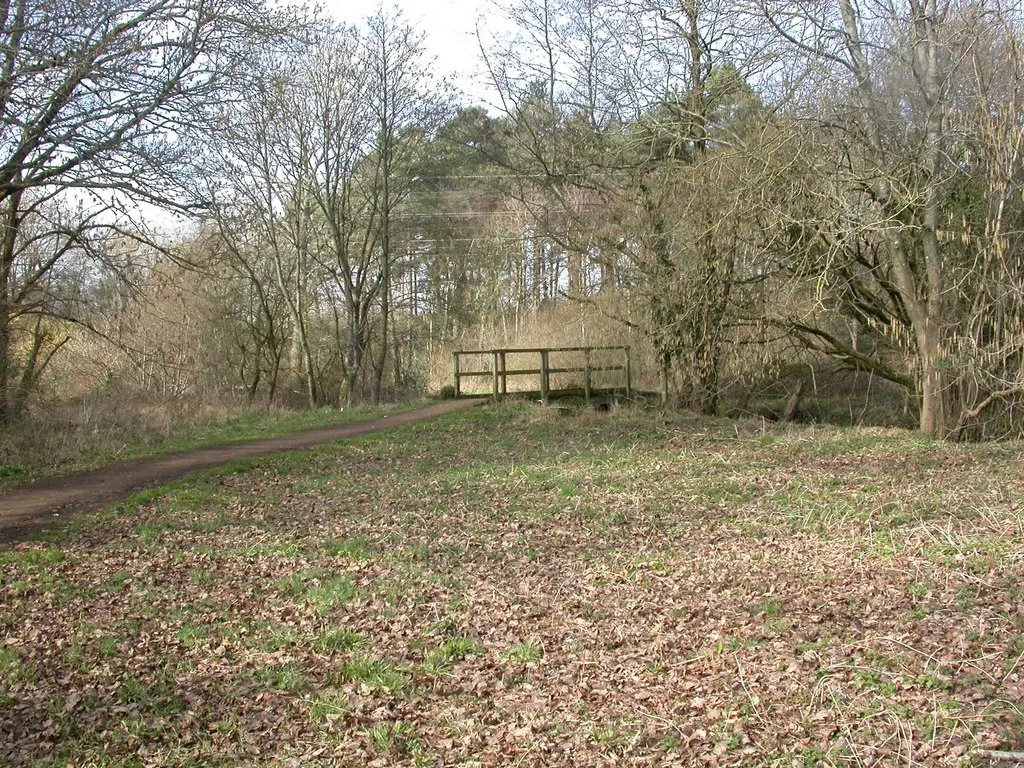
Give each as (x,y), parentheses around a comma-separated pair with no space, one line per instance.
(586,374)
(544,368)
(629,374)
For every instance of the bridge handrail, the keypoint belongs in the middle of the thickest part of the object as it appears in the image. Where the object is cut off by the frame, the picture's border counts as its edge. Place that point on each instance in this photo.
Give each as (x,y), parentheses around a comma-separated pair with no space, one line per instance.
(499,371)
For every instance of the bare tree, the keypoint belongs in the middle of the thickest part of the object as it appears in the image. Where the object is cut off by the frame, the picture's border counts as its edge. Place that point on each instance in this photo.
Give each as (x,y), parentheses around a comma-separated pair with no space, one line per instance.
(263,201)
(893,122)
(98,101)
(407,108)
(320,160)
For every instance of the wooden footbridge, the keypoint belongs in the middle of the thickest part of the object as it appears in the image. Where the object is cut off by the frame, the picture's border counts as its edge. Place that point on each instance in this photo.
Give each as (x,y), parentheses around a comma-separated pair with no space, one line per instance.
(591,364)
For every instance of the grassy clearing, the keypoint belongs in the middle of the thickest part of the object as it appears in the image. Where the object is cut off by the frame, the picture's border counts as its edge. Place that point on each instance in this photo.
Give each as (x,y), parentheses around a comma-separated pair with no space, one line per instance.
(45,445)
(514,587)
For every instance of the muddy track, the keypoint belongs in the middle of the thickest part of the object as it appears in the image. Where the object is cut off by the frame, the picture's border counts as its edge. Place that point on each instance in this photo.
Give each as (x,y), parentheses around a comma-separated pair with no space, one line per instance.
(45,505)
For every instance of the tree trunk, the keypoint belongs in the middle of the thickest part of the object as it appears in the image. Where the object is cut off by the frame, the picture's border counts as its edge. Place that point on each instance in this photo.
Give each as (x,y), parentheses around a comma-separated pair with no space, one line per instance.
(354,362)
(5,360)
(8,245)
(574,265)
(385,268)
(312,389)
(385,317)
(934,391)
(793,401)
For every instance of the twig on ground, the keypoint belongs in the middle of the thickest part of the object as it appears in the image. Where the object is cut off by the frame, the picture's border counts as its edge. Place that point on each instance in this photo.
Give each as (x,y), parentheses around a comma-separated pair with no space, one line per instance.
(750,698)
(1011,670)
(659,719)
(1002,757)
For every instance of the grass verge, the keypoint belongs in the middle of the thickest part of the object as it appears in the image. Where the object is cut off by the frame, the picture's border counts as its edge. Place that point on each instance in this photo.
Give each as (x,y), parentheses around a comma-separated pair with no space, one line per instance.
(47,445)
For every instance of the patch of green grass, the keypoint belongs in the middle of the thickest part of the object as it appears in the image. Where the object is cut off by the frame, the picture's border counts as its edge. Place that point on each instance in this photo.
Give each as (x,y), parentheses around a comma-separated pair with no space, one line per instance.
(977,554)
(917,591)
(11,471)
(328,593)
(295,584)
(74,656)
(767,608)
(271,637)
(133,691)
(874,680)
(107,645)
(375,673)
(136,730)
(13,669)
(656,668)
(813,757)
(342,639)
(734,644)
(152,532)
(966,596)
(156,697)
(725,491)
(269,549)
(202,577)
(34,559)
(569,490)
(321,588)
(286,677)
(398,738)
(813,646)
(932,682)
(670,743)
(193,635)
(809,503)
(348,549)
(611,737)
(117,583)
(523,653)
(413,553)
(441,660)
(326,706)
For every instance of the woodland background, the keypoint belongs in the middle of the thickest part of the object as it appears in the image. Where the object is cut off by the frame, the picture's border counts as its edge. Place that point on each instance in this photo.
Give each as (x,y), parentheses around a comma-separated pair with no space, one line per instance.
(758,197)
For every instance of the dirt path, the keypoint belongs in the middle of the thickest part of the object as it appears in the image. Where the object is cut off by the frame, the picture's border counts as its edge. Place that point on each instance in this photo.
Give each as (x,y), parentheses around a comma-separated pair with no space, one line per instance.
(43,506)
